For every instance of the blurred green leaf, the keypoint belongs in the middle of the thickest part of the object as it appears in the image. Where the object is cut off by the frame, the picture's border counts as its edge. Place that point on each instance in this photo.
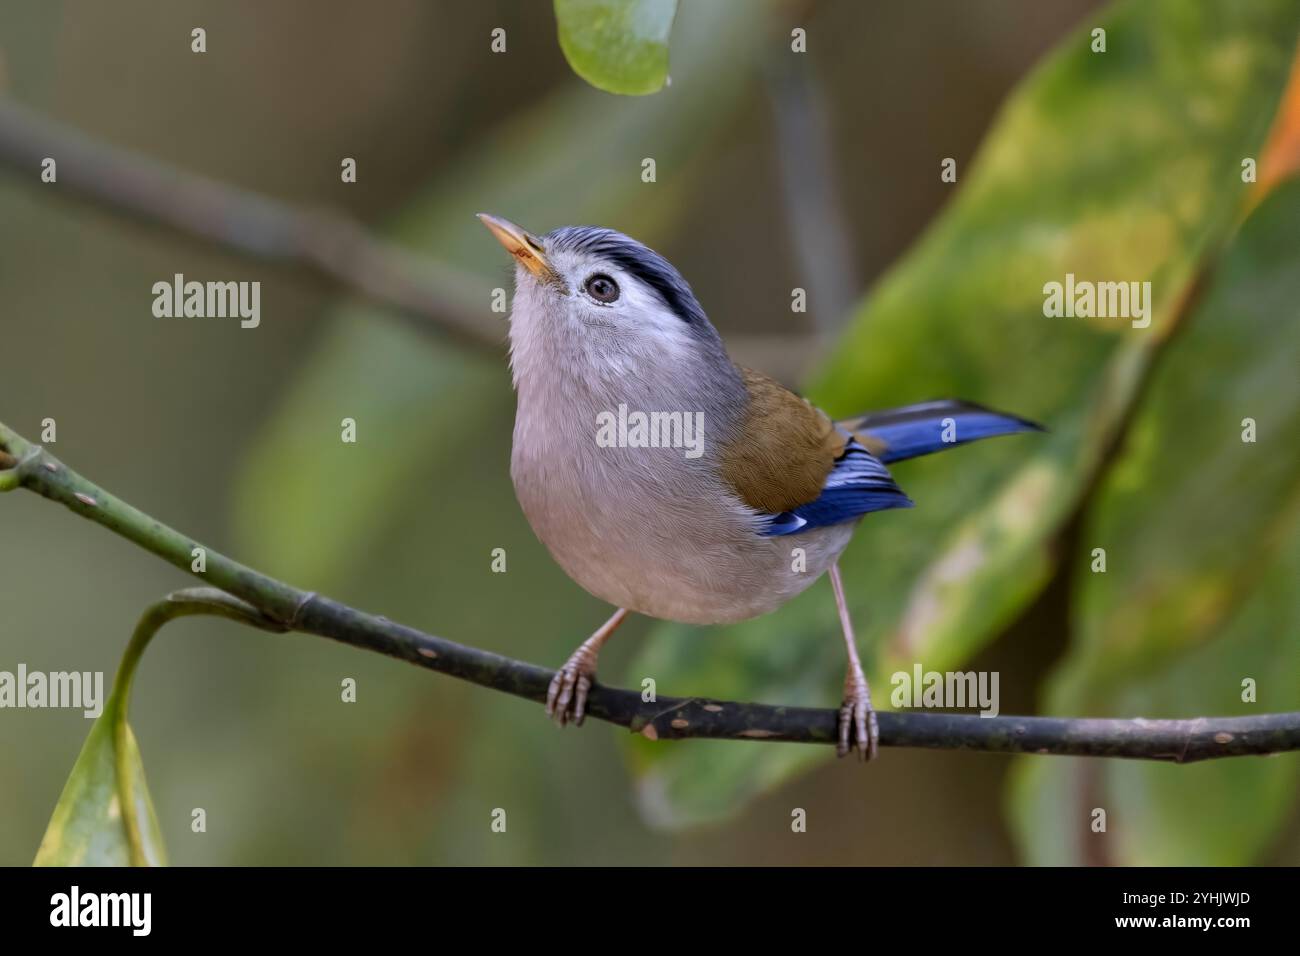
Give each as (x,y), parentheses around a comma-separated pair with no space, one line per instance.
(1177,507)
(1195,597)
(1116,166)
(88,826)
(308,506)
(1215,813)
(311,502)
(619,46)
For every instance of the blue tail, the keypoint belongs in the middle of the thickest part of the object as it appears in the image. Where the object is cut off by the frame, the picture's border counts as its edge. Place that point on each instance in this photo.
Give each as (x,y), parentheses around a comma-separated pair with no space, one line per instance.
(914,430)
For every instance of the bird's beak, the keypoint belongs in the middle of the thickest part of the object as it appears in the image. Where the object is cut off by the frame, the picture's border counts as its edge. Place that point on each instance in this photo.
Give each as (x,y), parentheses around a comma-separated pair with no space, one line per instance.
(521,245)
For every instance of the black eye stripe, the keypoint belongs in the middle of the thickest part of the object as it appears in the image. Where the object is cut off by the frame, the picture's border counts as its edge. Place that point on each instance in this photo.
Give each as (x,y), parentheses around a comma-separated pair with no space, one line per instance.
(638,261)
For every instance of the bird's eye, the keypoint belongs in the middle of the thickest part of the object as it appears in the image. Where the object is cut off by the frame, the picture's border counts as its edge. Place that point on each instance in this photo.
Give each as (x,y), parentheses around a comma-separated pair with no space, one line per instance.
(601,288)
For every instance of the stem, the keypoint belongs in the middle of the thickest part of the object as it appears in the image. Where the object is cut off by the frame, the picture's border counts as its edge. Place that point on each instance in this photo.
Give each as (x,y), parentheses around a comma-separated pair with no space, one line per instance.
(275,605)
(185,603)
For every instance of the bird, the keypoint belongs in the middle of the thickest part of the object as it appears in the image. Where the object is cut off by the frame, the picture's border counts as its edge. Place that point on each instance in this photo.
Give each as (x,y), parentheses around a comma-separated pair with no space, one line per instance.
(669,481)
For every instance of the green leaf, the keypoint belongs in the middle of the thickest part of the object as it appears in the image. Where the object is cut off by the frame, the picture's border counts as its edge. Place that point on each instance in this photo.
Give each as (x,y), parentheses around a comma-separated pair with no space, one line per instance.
(1200,531)
(1215,813)
(1116,166)
(1191,512)
(619,46)
(105,816)
(90,825)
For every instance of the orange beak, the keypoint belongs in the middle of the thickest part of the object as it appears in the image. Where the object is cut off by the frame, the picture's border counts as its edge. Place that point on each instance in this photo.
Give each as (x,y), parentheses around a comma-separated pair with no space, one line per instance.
(520,244)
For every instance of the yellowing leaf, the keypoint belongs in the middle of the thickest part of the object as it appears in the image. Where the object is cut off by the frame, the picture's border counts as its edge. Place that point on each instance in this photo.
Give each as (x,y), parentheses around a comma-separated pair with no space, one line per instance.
(90,825)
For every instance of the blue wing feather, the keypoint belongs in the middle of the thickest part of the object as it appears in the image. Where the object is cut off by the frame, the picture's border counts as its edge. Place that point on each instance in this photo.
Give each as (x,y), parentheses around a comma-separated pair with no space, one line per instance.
(914,430)
(857,484)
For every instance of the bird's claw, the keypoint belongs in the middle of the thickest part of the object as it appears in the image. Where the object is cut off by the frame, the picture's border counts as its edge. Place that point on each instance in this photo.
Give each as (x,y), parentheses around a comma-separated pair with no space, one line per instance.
(566,699)
(859,729)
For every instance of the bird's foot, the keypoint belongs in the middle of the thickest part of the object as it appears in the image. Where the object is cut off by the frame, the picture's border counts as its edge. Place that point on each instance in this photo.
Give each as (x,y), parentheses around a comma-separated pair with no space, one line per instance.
(567,697)
(858,727)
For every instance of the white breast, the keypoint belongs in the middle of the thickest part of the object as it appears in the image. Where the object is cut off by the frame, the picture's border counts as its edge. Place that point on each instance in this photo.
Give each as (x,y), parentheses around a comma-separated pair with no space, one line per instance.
(650,530)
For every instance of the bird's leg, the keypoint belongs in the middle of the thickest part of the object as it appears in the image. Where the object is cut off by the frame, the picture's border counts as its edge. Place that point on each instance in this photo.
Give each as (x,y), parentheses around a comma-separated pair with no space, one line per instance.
(567,695)
(858,727)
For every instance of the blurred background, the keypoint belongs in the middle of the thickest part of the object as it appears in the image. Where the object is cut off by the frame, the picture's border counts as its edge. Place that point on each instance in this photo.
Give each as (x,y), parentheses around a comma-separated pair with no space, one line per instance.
(827,163)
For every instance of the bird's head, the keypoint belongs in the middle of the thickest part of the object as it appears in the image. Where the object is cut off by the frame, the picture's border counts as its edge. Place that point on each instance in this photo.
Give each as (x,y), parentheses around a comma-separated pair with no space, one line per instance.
(586,295)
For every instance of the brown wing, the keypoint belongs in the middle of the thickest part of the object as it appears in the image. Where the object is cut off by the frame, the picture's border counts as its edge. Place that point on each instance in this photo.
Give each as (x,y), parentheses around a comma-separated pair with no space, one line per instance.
(784,451)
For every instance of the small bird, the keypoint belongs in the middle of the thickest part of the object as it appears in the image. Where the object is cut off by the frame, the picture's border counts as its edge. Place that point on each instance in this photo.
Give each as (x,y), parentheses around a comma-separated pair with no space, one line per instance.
(667,480)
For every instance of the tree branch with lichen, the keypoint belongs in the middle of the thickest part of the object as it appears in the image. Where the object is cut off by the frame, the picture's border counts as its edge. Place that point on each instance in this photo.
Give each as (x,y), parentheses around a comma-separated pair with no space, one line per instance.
(274,605)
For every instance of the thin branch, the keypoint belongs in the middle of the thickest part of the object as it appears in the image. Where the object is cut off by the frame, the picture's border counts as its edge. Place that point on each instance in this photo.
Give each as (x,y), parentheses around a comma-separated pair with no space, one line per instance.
(431,294)
(421,288)
(1181,741)
(810,191)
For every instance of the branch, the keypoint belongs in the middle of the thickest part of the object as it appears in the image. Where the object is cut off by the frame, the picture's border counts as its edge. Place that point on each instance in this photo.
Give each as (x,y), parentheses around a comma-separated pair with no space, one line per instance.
(809,193)
(429,293)
(424,289)
(23,464)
